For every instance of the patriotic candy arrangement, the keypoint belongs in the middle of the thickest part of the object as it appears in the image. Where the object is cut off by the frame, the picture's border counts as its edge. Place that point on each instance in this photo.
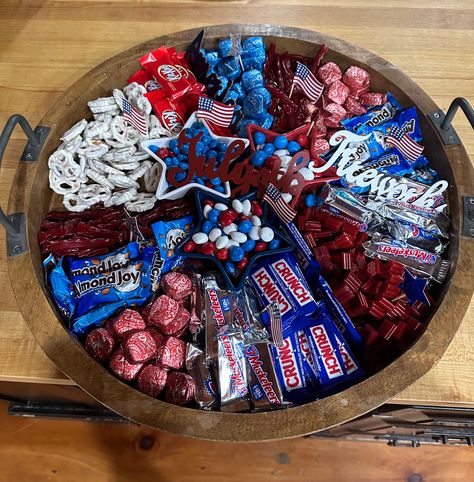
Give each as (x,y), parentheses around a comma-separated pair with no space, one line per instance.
(245,229)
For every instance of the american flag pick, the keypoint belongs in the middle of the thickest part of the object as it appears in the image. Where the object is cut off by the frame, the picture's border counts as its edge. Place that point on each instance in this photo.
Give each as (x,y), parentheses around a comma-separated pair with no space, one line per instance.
(404,143)
(276,327)
(213,111)
(308,82)
(133,117)
(282,209)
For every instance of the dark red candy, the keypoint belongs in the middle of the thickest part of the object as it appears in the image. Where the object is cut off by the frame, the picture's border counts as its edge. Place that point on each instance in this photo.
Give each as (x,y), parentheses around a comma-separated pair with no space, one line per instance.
(227,217)
(208,202)
(189,246)
(157,335)
(163,311)
(302,140)
(319,146)
(387,329)
(208,248)
(179,388)
(369,334)
(127,322)
(257,209)
(338,92)
(337,114)
(329,73)
(122,368)
(242,263)
(373,98)
(100,344)
(270,161)
(179,323)
(139,347)
(260,246)
(222,254)
(171,353)
(176,285)
(152,380)
(163,152)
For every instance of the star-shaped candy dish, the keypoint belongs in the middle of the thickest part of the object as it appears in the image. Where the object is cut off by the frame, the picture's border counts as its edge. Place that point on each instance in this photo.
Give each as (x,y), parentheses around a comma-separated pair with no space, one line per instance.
(268,147)
(167,153)
(233,234)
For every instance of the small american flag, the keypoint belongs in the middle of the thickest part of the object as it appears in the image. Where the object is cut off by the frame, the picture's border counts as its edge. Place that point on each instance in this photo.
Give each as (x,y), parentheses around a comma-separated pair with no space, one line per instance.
(308,82)
(405,144)
(134,118)
(279,205)
(276,327)
(213,111)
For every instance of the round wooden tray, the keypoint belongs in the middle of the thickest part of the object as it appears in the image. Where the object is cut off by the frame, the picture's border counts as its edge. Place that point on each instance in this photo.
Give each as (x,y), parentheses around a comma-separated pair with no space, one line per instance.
(31,194)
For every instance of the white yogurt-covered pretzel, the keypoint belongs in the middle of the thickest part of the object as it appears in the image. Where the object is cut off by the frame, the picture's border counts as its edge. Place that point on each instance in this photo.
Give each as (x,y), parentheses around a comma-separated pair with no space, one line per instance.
(94,193)
(141,203)
(72,203)
(74,131)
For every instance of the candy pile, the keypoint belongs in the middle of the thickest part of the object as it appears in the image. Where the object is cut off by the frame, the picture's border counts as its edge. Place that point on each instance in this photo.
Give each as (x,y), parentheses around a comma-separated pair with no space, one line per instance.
(102,161)
(239,68)
(208,145)
(232,234)
(322,272)
(146,348)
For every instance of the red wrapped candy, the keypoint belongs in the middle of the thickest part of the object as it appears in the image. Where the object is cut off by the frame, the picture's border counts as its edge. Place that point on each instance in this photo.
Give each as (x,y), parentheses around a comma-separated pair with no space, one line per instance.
(178,325)
(100,344)
(357,79)
(329,73)
(176,285)
(157,335)
(127,322)
(170,114)
(152,380)
(163,311)
(337,92)
(373,98)
(171,353)
(139,347)
(179,388)
(122,368)
(353,106)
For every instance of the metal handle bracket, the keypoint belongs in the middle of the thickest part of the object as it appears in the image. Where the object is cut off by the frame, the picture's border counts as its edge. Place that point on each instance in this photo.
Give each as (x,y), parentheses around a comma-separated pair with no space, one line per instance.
(443,122)
(14,224)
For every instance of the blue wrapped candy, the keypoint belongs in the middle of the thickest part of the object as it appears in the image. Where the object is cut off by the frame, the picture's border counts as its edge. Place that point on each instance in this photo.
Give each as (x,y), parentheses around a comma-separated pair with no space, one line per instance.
(237,87)
(212,57)
(224,47)
(256,102)
(264,120)
(229,68)
(251,79)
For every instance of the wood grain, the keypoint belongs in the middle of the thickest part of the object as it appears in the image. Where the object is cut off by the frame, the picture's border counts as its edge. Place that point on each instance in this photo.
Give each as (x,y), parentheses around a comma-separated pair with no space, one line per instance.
(73,451)
(41,56)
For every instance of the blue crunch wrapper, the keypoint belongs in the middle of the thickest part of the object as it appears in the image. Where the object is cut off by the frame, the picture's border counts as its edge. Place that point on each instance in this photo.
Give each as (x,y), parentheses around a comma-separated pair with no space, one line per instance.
(374,117)
(290,371)
(168,235)
(326,355)
(62,290)
(279,278)
(118,276)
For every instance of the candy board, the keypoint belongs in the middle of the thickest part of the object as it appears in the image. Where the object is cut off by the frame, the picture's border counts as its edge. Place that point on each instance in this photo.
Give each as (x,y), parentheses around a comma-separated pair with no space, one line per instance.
(31,195)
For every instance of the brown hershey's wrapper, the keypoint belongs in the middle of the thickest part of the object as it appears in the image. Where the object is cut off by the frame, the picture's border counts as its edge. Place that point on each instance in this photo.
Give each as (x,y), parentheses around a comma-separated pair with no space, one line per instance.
(263,382)
(205,390)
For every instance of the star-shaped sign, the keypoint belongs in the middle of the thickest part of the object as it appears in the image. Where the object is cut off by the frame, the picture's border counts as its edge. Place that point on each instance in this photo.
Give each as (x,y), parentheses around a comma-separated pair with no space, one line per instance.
(296,169)
(167,191)
(414,288)
(233,282)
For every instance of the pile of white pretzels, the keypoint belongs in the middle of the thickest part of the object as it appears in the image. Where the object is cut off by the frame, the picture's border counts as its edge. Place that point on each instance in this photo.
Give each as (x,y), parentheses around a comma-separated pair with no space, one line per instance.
(101,160)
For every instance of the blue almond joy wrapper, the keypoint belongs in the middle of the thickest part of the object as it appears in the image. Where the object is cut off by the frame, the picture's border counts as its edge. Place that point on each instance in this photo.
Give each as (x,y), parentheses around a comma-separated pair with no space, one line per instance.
(168,235)
(120,276)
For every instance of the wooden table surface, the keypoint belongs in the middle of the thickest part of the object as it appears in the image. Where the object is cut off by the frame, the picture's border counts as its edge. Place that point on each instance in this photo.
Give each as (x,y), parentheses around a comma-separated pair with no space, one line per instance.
(46,46)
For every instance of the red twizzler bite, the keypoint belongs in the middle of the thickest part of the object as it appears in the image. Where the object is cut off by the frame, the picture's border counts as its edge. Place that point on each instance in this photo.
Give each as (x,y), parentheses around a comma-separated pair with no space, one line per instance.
(171,353)
(100,344)
(152,380)
(139,347)
(179,388)
(127,322)
(176,285)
